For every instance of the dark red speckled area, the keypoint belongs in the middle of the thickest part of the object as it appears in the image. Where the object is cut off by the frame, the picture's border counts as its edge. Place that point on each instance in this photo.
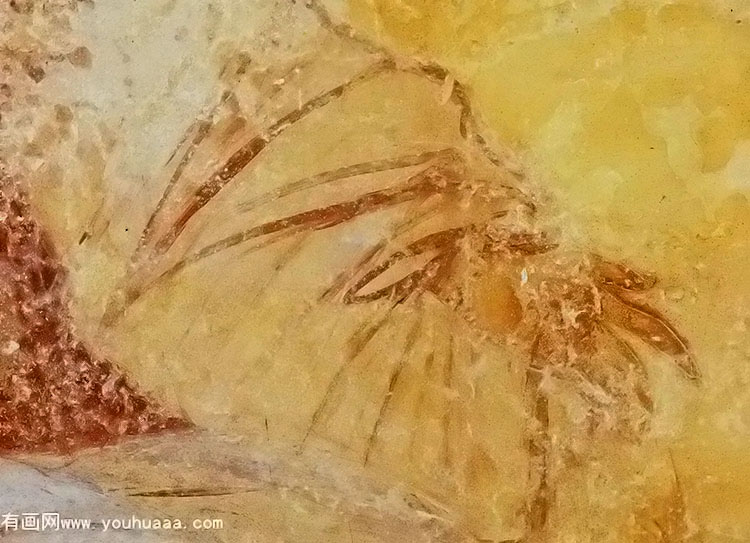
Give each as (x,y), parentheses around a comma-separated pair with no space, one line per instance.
(55,394)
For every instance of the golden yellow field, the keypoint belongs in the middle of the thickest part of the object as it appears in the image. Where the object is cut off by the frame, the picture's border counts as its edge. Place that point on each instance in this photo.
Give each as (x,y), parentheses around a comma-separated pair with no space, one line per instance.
(573,364)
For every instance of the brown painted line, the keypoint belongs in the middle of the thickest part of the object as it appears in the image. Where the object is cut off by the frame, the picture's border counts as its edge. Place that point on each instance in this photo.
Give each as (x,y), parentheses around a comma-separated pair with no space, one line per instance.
(447,421)
(192,492)
(413,219)
(202,129)
(345,172)
(245,154)
(357,344)
(653,325)
(642,391)
(318,219)
(434,72)
(393,383)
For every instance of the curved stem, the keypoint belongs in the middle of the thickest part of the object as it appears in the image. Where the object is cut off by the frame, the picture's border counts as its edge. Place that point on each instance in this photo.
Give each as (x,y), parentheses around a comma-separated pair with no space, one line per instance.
(538,446)
(469,125)
(245,154)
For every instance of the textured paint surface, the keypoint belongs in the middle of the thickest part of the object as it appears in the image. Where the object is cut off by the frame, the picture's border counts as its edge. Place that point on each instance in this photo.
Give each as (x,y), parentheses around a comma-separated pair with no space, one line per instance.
(491,255)
(54,393)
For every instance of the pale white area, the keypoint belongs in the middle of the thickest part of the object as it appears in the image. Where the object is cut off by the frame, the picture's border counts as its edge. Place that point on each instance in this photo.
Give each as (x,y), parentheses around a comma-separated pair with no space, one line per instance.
(155,65)
(738,168)
(27,489)
(260,493)
(678,127)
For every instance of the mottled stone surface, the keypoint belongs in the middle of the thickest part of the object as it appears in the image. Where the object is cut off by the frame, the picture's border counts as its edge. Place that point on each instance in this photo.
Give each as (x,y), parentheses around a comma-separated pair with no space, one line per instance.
(484,261)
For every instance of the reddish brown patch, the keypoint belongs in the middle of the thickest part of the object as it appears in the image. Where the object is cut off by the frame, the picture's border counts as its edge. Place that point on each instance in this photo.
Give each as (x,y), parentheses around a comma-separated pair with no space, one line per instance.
(80,57)
(54,393)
